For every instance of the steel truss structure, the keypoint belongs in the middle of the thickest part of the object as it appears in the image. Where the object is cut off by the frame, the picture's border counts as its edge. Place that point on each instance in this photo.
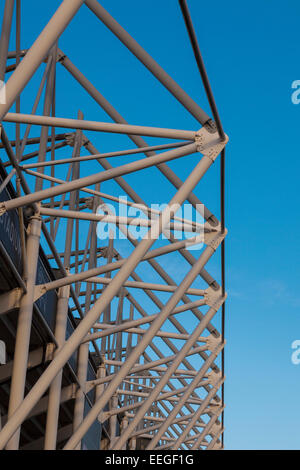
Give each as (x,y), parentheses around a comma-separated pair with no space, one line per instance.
(99,353)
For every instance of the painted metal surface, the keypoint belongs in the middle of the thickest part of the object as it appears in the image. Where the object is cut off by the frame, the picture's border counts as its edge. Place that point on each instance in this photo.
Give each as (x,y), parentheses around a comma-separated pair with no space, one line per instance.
(137,342)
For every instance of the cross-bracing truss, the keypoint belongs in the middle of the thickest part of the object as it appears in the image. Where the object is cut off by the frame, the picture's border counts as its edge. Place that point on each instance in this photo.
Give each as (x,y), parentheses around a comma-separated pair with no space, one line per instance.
(147,353)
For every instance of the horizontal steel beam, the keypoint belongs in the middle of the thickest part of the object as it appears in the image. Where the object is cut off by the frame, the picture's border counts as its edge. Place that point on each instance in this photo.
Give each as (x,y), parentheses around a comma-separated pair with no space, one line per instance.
(97,178)
(99,126)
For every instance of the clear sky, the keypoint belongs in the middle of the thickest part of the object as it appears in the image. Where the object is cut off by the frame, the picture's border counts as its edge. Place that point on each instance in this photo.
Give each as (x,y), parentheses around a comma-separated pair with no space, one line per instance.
(251,51)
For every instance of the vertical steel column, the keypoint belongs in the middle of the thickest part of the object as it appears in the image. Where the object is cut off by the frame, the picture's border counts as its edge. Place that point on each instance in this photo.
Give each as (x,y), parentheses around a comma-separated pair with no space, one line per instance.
(124,425)
(73,195)
(18,47)
(105,342)
(101,373)
(55,388)
(46,112)
(53,145)
(83,356)
(113,419)
(117,337)
(83,352)
(24,327)
(5,34)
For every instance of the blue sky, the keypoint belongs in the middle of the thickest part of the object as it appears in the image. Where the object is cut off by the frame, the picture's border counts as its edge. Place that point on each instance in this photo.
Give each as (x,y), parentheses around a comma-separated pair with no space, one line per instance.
(252,57)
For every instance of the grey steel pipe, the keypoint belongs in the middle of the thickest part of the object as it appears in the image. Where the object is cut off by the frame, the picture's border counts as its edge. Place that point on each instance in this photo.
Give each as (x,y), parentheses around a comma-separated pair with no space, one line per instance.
(83,352)
(83,356)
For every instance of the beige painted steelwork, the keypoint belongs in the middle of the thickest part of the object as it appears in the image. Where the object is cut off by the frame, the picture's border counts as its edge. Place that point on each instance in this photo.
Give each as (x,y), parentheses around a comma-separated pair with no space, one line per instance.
(98,356)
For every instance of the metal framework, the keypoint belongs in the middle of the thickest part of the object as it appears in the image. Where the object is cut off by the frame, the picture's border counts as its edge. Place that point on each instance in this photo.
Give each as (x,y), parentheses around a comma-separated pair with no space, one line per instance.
(102,350)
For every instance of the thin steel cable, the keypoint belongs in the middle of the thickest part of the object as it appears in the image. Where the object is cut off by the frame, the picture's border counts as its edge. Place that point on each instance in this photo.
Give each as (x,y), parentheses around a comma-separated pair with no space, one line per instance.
(212,103)
(222,178)
(201,66)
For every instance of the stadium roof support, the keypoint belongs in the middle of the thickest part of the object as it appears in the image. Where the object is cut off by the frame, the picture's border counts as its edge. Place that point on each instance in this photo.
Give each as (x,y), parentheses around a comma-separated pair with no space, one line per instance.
(146,375)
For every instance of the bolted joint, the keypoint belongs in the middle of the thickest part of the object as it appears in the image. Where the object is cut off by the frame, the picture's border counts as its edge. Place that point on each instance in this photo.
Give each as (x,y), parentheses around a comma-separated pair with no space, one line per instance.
(215,429)
(212,342)
(215,237)
(34,229)
(210,126)
(210,145)
(214,377)
(214,298)
(70,138)
(213,408)
(103,416)
(90,202)
(39,291)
